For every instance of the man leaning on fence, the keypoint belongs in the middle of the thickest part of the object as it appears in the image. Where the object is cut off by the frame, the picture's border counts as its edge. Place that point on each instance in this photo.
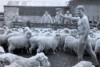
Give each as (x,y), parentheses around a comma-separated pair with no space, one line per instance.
(46,18)
(58,19)
(66,20)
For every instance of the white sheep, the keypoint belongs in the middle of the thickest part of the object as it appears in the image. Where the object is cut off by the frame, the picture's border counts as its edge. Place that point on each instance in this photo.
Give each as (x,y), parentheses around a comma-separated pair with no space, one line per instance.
(27,29)
(74,33)
(72,43)
(39,60)
(35,61)
(20,30)
(46,43)
(3,38)
(2,51)
(19,41)
(93,40)
(63,34)
(93,37)
(84,64)
(9,58)
(97,46)
(34,42)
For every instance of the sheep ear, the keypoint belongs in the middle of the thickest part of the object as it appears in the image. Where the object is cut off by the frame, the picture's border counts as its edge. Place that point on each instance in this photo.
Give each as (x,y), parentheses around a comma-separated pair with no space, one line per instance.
(47,58)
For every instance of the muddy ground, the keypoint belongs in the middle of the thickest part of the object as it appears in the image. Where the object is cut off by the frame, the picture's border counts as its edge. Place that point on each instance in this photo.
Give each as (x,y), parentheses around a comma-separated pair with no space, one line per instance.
(62,59)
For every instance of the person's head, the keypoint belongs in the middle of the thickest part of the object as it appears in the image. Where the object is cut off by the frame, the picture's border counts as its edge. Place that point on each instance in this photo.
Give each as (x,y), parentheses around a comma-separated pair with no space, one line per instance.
(46,12)
(59,10)
(57,13)
(67,12)
(80,10)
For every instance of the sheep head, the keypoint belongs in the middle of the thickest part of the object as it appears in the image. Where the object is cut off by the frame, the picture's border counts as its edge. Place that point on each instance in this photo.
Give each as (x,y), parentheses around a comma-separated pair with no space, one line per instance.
(74,33)
(43,59)
(84,64)
(66,30)
(92,34)
(26,29)
(28,35)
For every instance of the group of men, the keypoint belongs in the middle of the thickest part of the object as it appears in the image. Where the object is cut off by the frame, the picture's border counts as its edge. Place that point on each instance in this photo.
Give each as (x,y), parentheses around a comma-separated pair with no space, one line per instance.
(83,29)
(46,18)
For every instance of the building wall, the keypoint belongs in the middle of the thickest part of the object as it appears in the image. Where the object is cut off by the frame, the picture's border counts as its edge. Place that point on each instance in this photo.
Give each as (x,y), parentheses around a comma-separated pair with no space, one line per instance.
(24,14)
(92,8)
(10,14)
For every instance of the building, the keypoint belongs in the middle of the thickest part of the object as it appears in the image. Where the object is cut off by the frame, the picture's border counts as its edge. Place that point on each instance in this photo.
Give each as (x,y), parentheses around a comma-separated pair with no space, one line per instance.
(1,16)
(92,8)
(30,11)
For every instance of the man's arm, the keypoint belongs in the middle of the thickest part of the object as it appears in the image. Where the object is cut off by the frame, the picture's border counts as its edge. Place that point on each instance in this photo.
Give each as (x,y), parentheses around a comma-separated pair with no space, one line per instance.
(42,19)
(70,17)
(51,19)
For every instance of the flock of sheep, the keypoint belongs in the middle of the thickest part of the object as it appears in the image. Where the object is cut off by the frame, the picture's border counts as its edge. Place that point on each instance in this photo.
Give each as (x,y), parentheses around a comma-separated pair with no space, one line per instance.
(41,40)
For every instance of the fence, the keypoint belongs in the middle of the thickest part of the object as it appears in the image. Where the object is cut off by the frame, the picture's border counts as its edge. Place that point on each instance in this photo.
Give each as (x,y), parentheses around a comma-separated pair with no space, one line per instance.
(43,25)
(48,25)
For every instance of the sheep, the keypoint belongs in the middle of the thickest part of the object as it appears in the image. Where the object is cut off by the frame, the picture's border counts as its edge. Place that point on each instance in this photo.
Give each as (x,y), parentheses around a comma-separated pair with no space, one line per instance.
(63,34)
(46,43)
(2,30)
(93,40)
(93,37)
(34,42)
(3,37)
(20,30)
(19,42)
(9,58)
(97,46)
(2,51)
(84,64)
(27,29)
(74,33)
(39,60)
(71,42)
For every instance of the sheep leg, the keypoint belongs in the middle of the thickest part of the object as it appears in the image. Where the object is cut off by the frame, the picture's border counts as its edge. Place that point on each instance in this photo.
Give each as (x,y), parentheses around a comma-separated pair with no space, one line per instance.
(54,52)
(31,48)
(41,47)
(39,50)
(64,48)
(10,49)
(27,50)
(1,63)
(92,53)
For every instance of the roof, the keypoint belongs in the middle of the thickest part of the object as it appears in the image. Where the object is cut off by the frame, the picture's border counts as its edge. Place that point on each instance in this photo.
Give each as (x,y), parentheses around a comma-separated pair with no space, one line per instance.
(39,3)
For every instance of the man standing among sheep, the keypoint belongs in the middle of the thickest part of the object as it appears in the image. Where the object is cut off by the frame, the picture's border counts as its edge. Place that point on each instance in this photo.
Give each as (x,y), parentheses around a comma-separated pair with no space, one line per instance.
(83,31)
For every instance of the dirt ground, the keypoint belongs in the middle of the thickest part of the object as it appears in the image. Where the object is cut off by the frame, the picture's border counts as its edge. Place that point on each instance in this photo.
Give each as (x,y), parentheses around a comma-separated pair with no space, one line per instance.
(63,59)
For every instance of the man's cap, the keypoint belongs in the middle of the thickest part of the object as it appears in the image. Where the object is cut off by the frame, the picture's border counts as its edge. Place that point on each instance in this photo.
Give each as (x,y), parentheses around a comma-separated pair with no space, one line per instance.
(57,9)
(80,7)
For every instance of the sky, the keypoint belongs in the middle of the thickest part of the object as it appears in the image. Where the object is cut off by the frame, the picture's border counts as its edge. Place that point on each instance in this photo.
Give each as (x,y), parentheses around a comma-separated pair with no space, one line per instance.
(4,2)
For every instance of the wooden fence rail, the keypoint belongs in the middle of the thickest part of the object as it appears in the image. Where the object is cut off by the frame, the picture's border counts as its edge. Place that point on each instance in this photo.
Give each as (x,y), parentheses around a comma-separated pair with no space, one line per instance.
(47,25)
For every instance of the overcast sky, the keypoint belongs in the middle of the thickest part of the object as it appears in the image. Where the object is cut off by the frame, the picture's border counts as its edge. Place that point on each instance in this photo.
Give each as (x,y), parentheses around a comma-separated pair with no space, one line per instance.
(4,2)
